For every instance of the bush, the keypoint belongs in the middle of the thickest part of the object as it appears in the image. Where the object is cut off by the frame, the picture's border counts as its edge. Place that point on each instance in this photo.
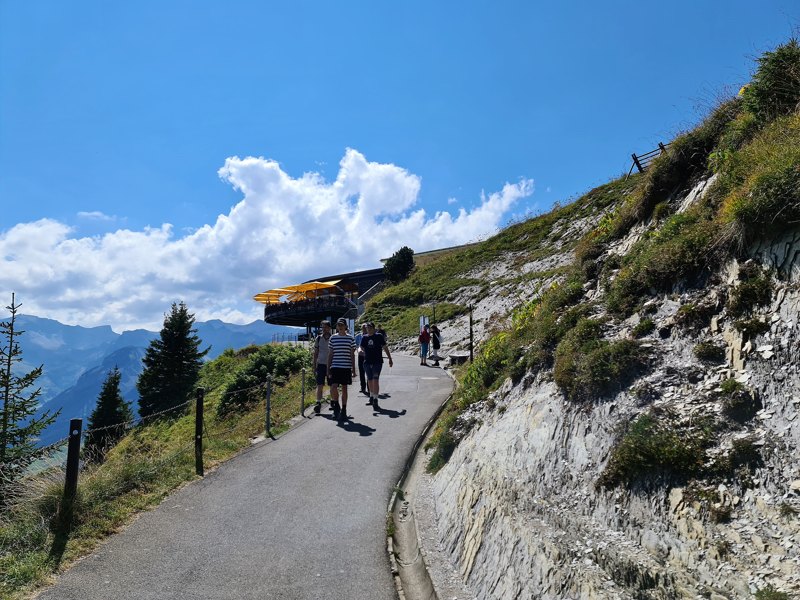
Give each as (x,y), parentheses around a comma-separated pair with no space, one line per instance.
(273,361)
(760,183)
(770,593)
(650,448)
(738,404)
(588,367)
(709,352)
(775,88)
(643,327)
(749,295)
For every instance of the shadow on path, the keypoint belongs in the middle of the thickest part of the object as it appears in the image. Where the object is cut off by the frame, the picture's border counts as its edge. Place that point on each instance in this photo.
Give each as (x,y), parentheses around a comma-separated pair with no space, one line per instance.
(388,412)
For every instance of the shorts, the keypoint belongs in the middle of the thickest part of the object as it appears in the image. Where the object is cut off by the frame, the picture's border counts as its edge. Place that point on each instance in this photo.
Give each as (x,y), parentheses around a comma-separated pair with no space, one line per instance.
(322,370)
(423,350)
(340,375)
(373,370)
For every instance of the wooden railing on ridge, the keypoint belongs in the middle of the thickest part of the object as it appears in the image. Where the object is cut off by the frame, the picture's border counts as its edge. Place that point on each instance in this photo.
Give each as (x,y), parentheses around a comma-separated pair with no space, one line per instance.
(642,161)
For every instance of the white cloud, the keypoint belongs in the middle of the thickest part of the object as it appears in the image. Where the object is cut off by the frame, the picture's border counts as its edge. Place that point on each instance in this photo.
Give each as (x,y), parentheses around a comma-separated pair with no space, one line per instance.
(284,230)
(95,215)
(452,200)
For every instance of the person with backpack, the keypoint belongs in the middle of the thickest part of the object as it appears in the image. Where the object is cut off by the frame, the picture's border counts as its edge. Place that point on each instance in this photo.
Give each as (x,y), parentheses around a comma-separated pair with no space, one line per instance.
(436,342)
(374,345)
(321,361)
(424,340)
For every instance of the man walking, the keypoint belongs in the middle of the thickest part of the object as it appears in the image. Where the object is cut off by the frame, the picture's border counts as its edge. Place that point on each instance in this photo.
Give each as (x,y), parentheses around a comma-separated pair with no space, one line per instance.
(341,367)
(360,350)
(374,345)
(321,361)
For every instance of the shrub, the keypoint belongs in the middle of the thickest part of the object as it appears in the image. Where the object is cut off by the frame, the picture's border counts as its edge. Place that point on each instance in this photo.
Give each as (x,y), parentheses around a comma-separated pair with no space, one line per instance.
(694,316)
(273,361)
(738,404)
(749,295)
(775,88)
(588,367)
(751,327)
(770,593)
(679,250)
(650,448)
(709,352)
(760,184)
(643,327)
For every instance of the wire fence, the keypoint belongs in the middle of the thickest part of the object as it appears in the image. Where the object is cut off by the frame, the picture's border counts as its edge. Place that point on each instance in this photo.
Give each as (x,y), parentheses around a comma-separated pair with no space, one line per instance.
(64,482)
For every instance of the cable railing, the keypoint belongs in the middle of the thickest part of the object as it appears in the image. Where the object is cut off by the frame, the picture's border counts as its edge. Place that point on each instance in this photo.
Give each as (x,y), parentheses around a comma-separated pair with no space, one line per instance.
(51,475)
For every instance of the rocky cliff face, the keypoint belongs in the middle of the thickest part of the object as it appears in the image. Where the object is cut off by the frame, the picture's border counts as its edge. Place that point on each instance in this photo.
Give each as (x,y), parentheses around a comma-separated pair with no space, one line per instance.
(519,505)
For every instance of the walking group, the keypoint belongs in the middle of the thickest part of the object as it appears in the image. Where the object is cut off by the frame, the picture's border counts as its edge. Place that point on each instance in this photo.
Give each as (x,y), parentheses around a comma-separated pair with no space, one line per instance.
(335,363)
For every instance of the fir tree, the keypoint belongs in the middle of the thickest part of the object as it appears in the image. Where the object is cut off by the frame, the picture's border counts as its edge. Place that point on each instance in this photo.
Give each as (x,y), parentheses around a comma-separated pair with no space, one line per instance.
(171,364)
(109,419)
(399,265)
(19,425)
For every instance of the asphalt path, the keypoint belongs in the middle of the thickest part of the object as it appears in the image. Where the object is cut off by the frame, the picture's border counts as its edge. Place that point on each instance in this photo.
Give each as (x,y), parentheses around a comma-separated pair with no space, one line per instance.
(302,516)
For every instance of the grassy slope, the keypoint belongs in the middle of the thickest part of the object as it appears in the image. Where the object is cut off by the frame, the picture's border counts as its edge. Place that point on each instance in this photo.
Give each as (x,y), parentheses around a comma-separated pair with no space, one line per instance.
(147,465)
(750,142)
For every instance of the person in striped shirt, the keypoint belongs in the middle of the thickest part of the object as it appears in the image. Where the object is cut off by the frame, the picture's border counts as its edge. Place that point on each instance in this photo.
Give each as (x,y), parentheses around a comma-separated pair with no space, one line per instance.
(341,367)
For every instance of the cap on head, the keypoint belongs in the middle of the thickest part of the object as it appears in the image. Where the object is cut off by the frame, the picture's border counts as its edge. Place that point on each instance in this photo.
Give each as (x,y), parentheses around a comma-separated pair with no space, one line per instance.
(324,323)
(341,321)
(371,325)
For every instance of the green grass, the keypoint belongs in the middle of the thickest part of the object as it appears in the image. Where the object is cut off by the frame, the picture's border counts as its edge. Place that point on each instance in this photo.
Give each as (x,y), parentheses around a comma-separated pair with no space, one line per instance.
(653,447)
(147,464)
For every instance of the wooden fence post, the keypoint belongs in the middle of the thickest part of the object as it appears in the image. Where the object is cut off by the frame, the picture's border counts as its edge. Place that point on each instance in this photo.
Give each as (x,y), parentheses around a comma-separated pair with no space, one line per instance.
(198,431)
(470,334)
(269,404)
(66,511)
(637,163)
(303,393)
(73,459)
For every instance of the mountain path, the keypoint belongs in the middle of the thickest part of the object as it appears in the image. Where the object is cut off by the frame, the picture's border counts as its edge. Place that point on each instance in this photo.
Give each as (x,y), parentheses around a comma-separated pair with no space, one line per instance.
(298,517)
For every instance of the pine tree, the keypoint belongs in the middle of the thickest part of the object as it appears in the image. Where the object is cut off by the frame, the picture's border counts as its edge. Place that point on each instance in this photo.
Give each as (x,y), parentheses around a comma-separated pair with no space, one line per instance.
(399,265)
(171,364)
(107,423)
(19,427)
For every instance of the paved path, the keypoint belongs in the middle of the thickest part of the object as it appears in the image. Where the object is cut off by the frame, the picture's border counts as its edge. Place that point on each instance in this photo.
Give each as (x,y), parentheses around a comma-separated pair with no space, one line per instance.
(299,517)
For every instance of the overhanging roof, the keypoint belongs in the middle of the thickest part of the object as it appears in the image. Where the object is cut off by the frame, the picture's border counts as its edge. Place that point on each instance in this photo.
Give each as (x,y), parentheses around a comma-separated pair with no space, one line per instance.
(293,293)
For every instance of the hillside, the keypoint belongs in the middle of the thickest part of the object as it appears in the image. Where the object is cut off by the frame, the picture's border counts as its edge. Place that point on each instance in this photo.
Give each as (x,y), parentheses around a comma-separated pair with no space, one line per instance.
(629,427)
(77,359)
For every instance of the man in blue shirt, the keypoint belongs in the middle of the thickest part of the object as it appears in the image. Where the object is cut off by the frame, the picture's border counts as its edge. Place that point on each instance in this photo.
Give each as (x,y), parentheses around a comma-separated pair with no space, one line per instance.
(374,345)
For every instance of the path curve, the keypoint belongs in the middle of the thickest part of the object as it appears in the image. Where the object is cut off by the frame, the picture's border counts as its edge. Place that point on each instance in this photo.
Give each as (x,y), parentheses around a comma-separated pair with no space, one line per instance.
(300,517)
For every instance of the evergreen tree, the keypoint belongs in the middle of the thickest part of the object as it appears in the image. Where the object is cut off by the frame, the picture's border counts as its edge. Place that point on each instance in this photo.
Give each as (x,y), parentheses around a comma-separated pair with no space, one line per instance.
(171,364)
(19,427)
(399,265)
(107,423)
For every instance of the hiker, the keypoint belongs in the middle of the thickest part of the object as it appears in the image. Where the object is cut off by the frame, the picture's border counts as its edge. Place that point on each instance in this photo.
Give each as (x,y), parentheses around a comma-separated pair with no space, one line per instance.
(424,339)
(361,373)
(321,361)
(374,345)
(341,367)
(436,342)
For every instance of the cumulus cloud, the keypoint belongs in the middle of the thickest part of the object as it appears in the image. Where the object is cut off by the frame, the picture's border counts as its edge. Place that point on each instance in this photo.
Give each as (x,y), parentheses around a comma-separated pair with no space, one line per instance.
(283,230)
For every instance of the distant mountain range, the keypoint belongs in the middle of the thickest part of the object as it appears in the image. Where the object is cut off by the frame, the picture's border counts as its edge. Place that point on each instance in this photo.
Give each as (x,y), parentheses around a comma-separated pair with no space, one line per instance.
(77,360)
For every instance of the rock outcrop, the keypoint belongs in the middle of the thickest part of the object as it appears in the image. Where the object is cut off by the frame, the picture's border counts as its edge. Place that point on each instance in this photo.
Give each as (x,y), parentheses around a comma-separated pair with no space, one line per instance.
(519,506)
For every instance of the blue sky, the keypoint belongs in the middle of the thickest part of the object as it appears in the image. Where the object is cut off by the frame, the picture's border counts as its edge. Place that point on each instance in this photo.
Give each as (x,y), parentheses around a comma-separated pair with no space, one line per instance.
(125,131)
